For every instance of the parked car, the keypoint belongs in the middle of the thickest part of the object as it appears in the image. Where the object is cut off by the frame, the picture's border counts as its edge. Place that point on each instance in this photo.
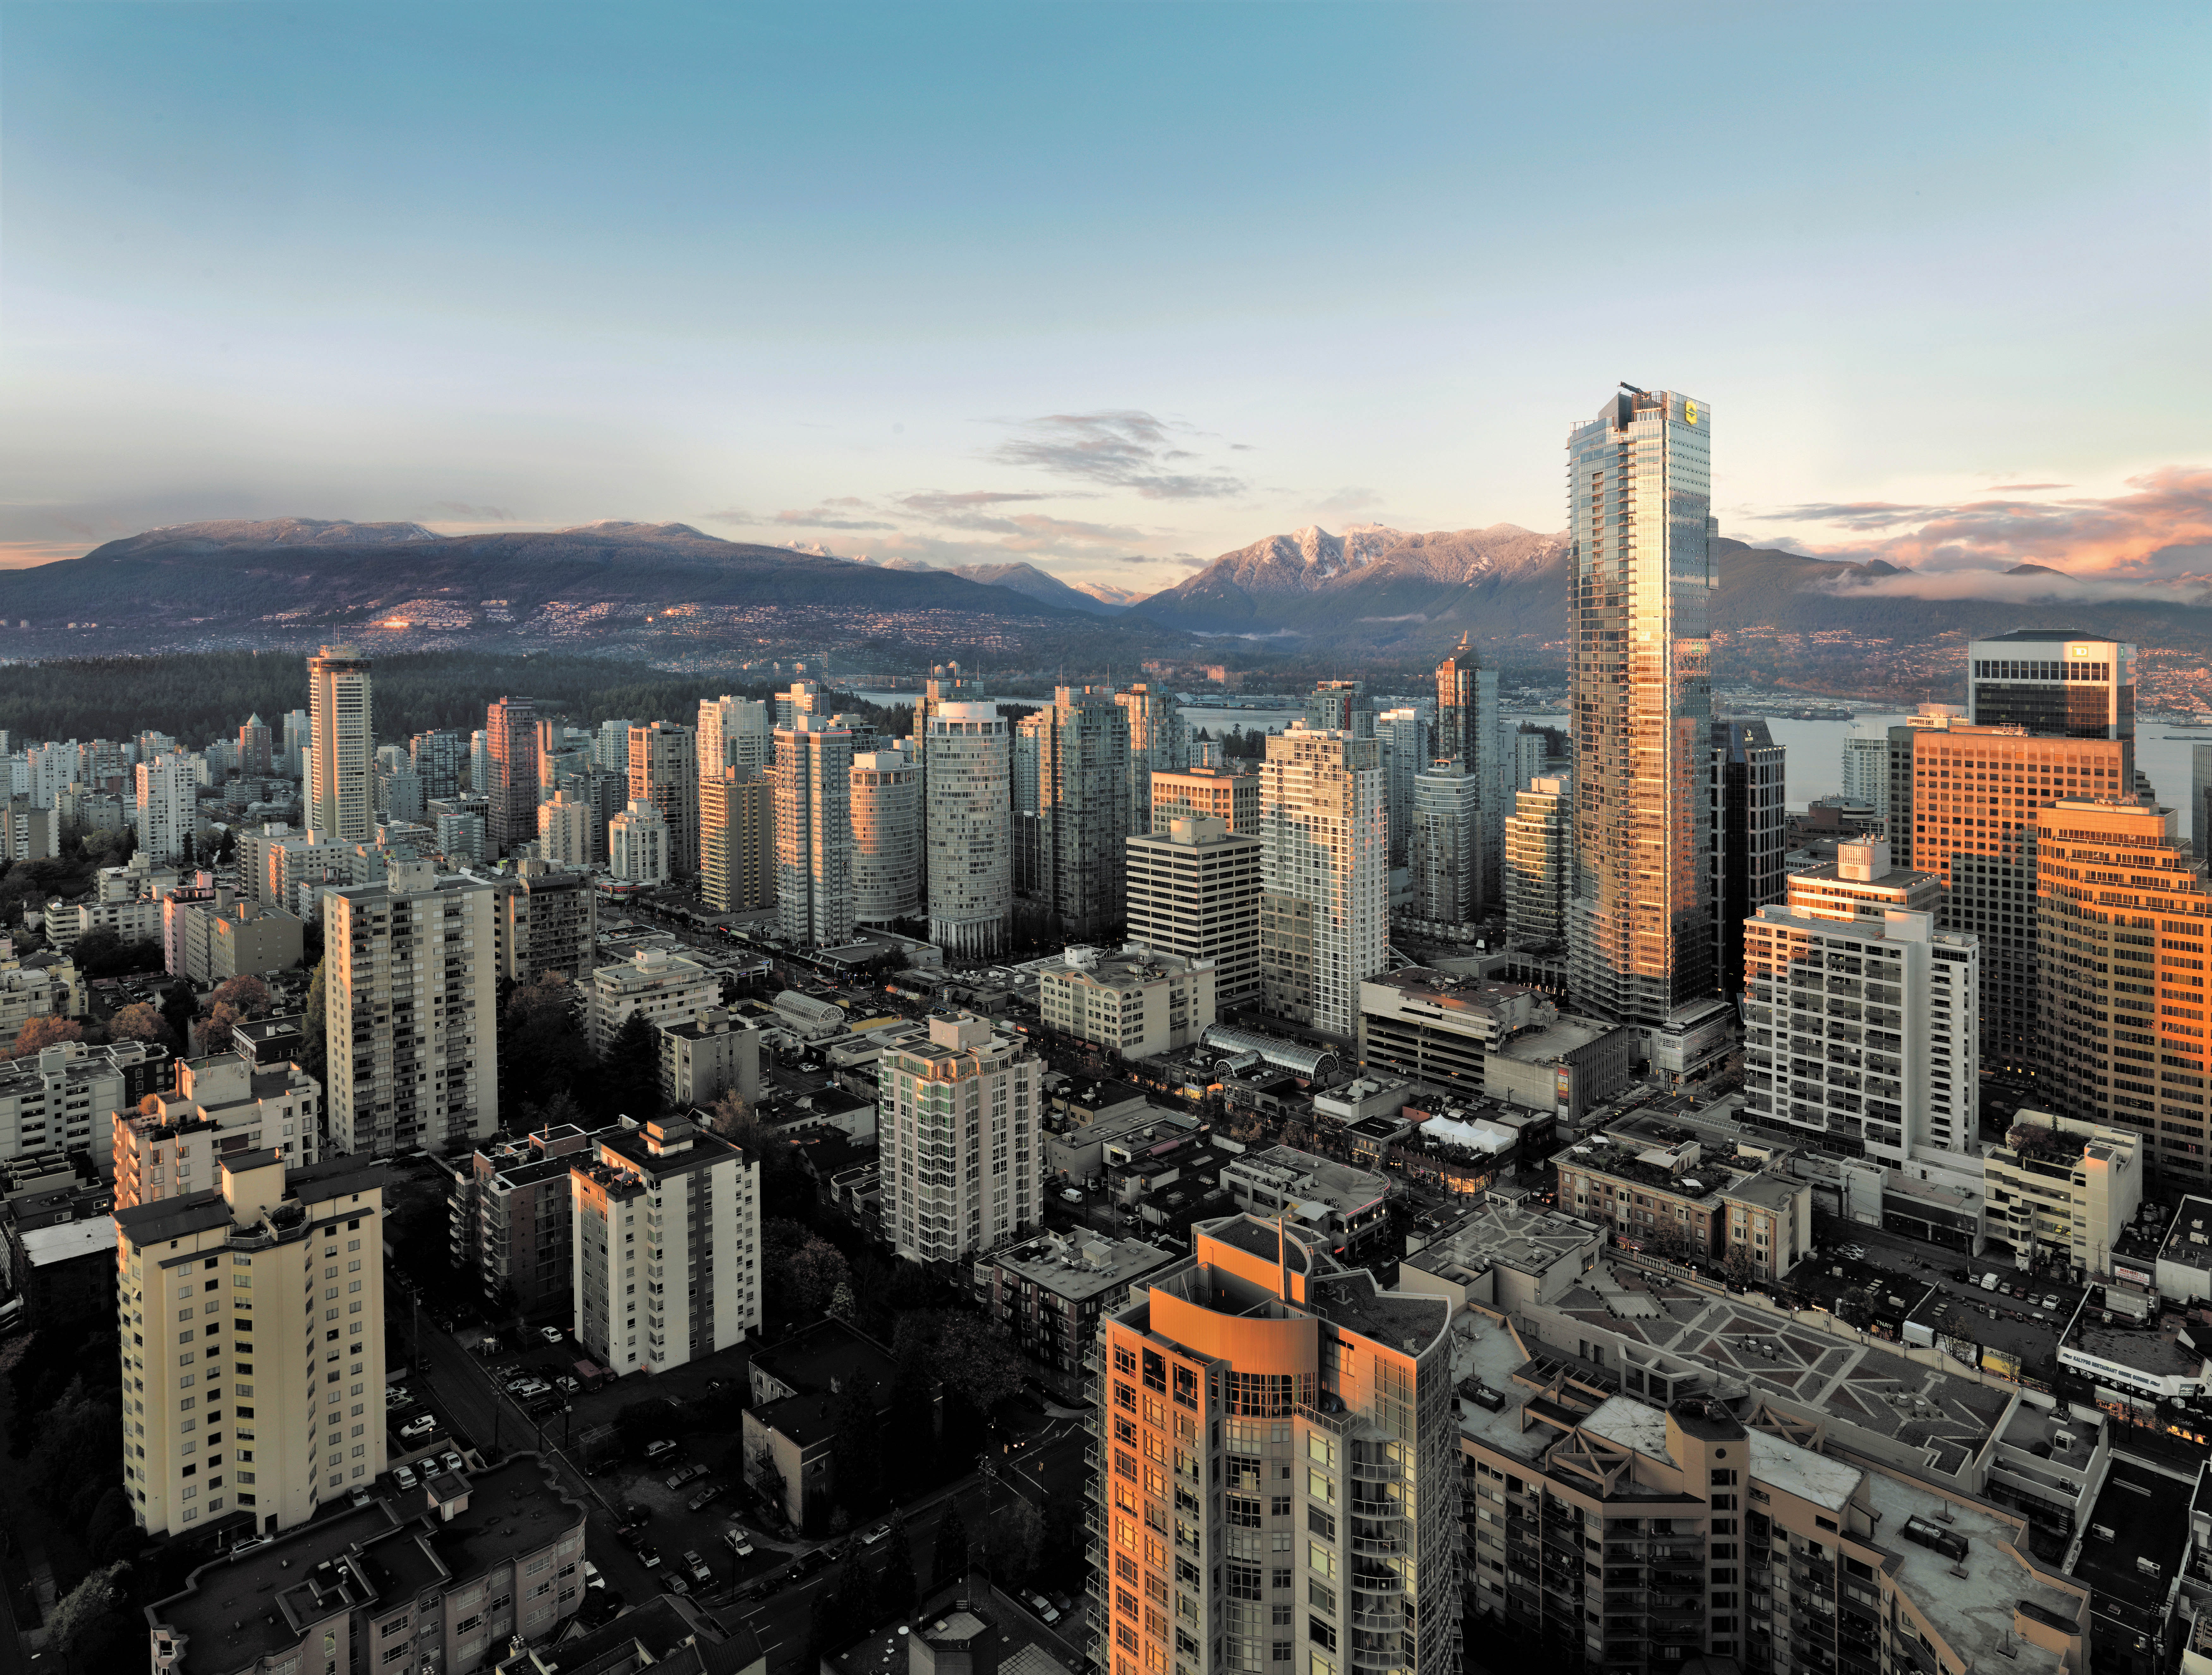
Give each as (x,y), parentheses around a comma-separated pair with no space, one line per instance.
(805,1565)
(684,1474)
(451,1461)
(738,1541)
(657,1451)
(1046,1611)
(648,1556)
(405,1477)
(869,1538)
(592,1576)
(418,1428)
(674,1582)
(635,1513)
(397,1399)
(567,1386)
(700,1572)
(2052,1302)
(707,1496)
(551,1334)
(360,1498)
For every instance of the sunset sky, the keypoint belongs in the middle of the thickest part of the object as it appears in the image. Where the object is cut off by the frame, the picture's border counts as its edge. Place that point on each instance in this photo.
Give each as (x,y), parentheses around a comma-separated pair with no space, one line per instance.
(1111,289)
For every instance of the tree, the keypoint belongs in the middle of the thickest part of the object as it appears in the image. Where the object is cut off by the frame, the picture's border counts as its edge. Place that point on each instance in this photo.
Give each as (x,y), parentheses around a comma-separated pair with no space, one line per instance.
(948,1560)
(800,1270)
(858,1607)
(46,1030)
(314,1048)
(80,1614)
(140,1021)
(894,1587)
(247,995)
(212,1033)
(976,1361)
(856,1452)
(1015,1543)
(841,1305)
(180,1007)
(629,1074)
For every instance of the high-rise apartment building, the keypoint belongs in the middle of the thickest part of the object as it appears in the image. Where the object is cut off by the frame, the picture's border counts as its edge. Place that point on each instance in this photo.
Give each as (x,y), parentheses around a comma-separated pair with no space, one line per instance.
(638,845)
(665,1199)
(734,732)
(1193,890)
(512,1228)
(610,746)
(257,756)
(1083,765)
(2124,912)
(1749,835)
(1467,732)
(564,829)
(2056,685)
(1862,883)
(737,840)
(548,921)
(1159,740)
(1446,848)
(410,1011)
(1540,858)
(1639,505)
(169,792)
(298,736)
(1866,773)
(1340,706)
(439,756)
(251,1320)
(959,1108)
(1325,877)
(665,989)
(340,719)
(2200,799)
(1407,751)
(1271,1416)
(967,830)
(663,771)
(165,1144)
(813,781)
(1212,793)
(886,836)
(1861,1032)
(510,785)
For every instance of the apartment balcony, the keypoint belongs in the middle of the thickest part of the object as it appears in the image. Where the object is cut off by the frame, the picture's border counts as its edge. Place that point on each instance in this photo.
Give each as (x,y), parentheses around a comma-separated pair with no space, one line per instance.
(1384,1547)
(1384,1655)
(1376,1471)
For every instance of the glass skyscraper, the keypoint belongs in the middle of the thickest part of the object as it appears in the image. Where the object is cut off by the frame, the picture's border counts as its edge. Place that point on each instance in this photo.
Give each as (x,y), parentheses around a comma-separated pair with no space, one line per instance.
(1639,511)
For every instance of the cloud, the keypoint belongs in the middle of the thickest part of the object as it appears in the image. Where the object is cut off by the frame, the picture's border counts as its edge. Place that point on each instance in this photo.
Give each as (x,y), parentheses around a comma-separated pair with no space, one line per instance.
(1126,449)
(939,503)
(2024,488)
(731,515)
(1852,513)
(1348,500)
(823,518)
(468,513)
(2045,588)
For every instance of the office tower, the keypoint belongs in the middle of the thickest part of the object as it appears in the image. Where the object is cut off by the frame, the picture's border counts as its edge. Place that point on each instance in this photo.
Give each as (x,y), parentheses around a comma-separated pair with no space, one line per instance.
(737,840)
(886,837)
(734,732)
(299,740)
(1866,773)
(564,829)
(1973,799)
(2053,685)
(167,799)
(1082,743)
(1540,861)
(1325,877)
(1159,739)
(510,781)
(1216,793)
(1861,1032)
(341,720)
(813,789)
(255,757)
(610,746)
(638,843)
(1445,850)
(286,1263)
(1467,731)
(437,758)
(967,830)
(410,1010)
(1638,505)
(623,1236)
(1749,837)
(1408,750)
(666,989)
(2124,910)
(1322,1405)
(961,1106)
(1339,706)
(663,771)
(399,795)
(1193,890)
(2200,799)
(1862,883)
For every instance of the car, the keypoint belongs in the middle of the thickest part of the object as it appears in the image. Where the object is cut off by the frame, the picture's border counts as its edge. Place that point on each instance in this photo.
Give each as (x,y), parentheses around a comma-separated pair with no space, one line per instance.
(707,1496)
(674,1582)
(684,1474)
(635,1513)
(403,1475)
(869,1538)
(551,1334)
(648,1556)
(361,1497)
(418,1428)
(738,1541)
(765,1588)
(657,1451)
(451,1461)
(398,1396)
(701,1573)
(1046,1611)
(632,1538)
(594,1577)
(1988,1282)
(567,1386)
(805,1565)
(518,1386)
(2052,1302)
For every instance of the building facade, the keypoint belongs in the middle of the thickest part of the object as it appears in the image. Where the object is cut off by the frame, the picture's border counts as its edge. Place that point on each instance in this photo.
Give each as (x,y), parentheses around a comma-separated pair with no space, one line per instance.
(65,1098)
(1159,741)
(1406,737)
(1211,793)
(1081,741)
(1446,853)
(1539,859)
(510,781)
(2064,1191)
(166,1144)
(342,738)
(814,860)
(564,829)
(640,846)
(1193,891)
(511,1225)
(666,988)
(706,1056)
(737,840)
(968,830)
(886,811)
(1749,836)
(2056,686)
(1325,877)
(663,771)
(1467,733)
(167,798)
(1862,883)
(958,1113)
(548,921)
(1866,773)
(1140,1003)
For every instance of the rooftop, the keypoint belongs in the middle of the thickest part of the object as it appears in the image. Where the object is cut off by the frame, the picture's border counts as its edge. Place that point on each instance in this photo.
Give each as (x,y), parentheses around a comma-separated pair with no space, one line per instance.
(66,1241)
(2148,1513)
(1292,1173)
(1507,1236)
(1562,1035)
(1078,1269)
(2189,1240)
(1974,1611)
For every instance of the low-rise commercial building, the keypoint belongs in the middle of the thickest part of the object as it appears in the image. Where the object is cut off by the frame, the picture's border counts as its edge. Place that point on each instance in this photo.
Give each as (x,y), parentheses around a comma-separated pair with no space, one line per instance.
(1443,1028)
(1140,1003)
(1349,1208)
(2060,1188)
(167,1144)
(1046,1292)
(1681,1200)
(1502,1256)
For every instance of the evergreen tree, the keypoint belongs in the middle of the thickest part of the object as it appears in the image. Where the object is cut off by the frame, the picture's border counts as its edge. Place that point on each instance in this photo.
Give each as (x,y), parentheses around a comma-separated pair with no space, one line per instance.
(630,1075)
(948,1560)
(856,1452)
(895,1588)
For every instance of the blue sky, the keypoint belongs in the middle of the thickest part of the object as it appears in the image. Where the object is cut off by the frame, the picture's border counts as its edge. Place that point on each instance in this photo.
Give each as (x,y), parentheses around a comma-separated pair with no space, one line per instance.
(1111,289)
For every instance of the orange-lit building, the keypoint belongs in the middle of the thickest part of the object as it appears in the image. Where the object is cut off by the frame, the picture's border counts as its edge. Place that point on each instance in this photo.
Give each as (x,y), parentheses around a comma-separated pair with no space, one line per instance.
(1278,1469)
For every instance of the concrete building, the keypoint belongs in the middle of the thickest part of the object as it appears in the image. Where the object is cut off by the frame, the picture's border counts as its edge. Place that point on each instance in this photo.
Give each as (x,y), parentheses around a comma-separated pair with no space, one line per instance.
(1866,773)
(1539,862)
(1306,1388)
(1047,1294)
(255,757)
(1193,891)
(1862,883)
(217,940)
(798,1385)
(663,771)
(1340,706)
(704,1057)
(624,1242)
(1680,1199)
(734,732)
(548,920)
(410,1011)
(438,758)
(2065,1190)
(342,740)
(510,781)
(959,1109)
(1502,1256)
(1748,835)
(63,1098)
(887,841)
(1081,741)
(450,1574)
(1860,1036)
(44,985)
(1140,1003)
(1467,732)
(1159,742)
(737,840)
(1406,736)
(1324,908)
(1445,851)
(564,829)
(28,832)
(168,788)
(304,1248)
(512,1227)
(666,987)
(1347,1208)
(1209,793)
(1447,1030)
(968,830)
(640,846)
(165,1144)
(814,860)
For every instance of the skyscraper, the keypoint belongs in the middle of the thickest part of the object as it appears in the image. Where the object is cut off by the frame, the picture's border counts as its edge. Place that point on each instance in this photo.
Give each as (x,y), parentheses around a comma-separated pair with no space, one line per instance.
(1159,741)
(1467,732)
(2056,685)
(255,758)
(1445,851)
(610,746)
(960,1108)
(737,840)
(968,831)
(511,769)
(1539,859)
(564,829)
(1325,877)
(340,802)
(167,796)
(1748,835)
(1406,737)
(1194,891)
(638,845)
(1340,706)
(1639,513)
(734,732)
(886,836)
(298,736)
(1082,744)
(813,778)
(663,771)
(1866,773)
(437,757)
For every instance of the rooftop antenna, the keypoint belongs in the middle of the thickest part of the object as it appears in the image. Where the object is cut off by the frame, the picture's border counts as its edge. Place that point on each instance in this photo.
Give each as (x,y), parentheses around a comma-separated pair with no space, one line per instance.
(1632,388)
